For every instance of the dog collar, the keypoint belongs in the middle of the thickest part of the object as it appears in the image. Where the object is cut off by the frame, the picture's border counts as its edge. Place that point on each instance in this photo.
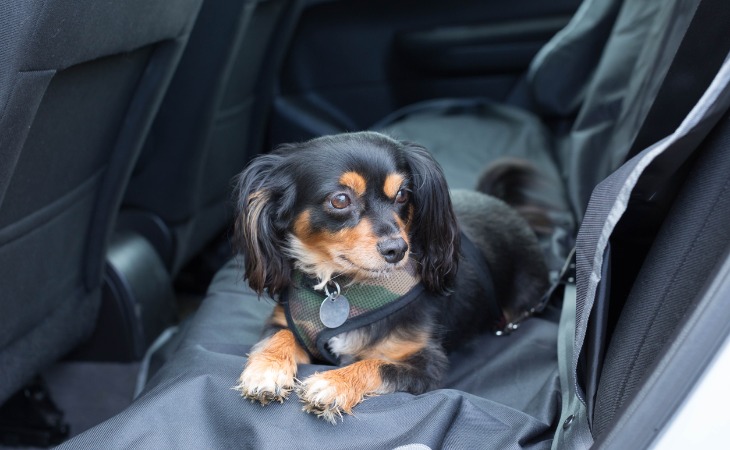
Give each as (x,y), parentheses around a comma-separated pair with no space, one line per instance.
(369,301)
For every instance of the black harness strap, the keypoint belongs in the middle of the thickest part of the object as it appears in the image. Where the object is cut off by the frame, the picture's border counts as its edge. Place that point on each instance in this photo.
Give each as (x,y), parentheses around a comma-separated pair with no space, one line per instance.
(369,303)
(315,340)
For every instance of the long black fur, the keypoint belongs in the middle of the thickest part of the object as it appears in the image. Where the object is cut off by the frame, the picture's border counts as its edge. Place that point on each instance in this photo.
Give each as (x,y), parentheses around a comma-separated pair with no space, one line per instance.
(275,188)
(284,180)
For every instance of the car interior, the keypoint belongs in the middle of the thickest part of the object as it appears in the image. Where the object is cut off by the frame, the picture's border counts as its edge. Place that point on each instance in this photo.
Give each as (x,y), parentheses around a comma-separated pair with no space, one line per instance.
(124,316)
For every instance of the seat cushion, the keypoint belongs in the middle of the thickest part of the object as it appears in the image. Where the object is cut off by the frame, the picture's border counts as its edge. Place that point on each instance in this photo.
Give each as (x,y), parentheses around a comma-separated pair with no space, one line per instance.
(499,391)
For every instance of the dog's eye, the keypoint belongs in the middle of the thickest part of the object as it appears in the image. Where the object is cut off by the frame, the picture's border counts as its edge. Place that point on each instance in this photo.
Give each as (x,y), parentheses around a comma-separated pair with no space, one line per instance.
(402,196)
(340,201)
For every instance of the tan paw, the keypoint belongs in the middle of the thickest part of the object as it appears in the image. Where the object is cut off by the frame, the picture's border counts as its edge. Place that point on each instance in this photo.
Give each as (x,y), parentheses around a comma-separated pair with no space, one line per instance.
(329,394)
(265,381)
(271,368)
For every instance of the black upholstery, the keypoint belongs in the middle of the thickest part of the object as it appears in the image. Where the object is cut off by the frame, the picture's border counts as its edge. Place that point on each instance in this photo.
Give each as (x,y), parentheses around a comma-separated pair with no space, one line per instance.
(691,242)
(209,125)
(79,86)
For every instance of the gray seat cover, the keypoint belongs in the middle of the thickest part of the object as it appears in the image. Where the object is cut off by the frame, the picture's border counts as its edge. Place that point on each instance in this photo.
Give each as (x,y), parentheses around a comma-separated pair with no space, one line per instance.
(501,392)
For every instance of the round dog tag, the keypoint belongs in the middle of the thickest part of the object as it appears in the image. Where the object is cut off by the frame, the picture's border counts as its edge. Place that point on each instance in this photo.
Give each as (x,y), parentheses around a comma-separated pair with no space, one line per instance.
(334,310)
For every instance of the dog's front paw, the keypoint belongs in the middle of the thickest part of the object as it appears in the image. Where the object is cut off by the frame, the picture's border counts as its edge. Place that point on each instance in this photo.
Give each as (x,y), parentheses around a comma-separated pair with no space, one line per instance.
(265,381)
(326,397)
(271,368)
(329,394)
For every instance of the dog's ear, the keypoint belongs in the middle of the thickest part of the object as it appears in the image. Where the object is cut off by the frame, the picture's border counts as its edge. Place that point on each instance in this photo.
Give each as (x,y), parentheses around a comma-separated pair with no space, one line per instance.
(264,194)
(434,226)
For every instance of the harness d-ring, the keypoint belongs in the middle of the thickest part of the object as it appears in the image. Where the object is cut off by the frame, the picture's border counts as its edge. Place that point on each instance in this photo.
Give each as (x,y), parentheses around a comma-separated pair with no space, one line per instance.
(327,292)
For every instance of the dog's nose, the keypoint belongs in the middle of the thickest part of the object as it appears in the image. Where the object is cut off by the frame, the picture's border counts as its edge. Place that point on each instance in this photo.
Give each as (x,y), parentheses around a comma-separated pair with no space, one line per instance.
(393,250)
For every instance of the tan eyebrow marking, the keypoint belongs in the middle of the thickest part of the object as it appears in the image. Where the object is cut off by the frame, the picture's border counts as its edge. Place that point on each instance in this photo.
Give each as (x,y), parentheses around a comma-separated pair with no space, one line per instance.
(392,184)
(354,181)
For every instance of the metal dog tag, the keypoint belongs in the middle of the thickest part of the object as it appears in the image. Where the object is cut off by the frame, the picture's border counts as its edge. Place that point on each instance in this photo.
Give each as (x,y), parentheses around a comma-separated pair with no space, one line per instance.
(335,309)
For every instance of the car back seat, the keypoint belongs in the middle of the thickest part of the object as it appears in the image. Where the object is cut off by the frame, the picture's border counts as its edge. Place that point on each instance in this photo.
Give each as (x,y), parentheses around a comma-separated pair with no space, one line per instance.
(500,393)
(627,46)
(601,102)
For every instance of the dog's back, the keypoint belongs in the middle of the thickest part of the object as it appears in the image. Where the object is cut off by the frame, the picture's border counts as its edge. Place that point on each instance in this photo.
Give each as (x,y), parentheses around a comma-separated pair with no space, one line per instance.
(511,251)
(502,220)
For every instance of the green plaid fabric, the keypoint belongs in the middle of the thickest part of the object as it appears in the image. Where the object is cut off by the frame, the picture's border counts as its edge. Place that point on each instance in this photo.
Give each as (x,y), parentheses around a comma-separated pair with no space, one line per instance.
(365,297)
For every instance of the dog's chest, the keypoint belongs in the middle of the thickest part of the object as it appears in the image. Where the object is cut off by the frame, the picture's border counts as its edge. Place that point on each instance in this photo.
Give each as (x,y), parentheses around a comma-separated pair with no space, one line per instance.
(368,302)
(348,345)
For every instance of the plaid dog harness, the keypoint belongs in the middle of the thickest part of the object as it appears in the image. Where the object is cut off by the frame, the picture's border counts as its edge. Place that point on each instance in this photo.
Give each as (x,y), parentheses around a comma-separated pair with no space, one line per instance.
(369,300)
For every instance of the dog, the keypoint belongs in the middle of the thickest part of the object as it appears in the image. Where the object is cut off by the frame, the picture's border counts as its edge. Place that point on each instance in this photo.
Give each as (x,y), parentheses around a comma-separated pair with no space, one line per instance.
(375,266)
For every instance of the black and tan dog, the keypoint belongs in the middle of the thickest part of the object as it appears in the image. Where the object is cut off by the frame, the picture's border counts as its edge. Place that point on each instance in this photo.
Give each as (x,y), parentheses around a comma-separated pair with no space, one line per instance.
(358,239)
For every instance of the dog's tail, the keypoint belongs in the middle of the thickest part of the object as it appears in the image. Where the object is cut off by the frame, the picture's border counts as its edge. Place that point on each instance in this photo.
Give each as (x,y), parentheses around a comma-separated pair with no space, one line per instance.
(521,185)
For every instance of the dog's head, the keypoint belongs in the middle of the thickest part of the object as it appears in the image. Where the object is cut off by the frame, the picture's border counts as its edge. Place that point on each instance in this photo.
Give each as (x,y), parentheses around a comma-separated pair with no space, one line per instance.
(356,204)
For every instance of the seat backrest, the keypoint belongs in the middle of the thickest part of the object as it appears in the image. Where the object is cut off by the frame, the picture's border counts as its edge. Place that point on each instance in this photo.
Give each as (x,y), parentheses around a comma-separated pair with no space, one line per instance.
(79,85)
(561,70)
(209,125)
